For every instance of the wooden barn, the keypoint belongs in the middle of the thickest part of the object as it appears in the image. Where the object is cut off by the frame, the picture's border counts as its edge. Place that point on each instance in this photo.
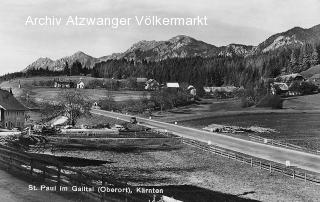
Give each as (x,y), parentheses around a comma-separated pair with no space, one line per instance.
(12,111)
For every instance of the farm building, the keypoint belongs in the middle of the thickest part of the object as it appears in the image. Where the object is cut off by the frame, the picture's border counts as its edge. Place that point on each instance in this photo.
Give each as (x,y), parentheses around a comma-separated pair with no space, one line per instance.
(80,84)
(278,88)
(12,111)
(223,89)
(192,90)
(142,80)
(152,84)
(172,85)
(289,78)
(63,84)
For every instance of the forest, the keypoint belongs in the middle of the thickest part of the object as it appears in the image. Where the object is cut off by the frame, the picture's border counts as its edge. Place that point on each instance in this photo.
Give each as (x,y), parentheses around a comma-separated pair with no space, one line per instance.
(249,72)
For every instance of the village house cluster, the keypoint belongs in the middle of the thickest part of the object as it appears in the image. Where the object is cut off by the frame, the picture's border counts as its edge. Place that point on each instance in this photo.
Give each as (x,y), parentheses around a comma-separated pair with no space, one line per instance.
(68,84)
(282,84)
(152,85)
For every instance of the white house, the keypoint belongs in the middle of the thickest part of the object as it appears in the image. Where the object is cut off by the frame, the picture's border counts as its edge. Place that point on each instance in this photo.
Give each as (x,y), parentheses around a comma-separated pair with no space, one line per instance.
(80,84)
(192,90)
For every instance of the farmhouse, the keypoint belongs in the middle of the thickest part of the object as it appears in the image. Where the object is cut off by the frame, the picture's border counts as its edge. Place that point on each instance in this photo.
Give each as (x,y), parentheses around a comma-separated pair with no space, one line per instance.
(289,78)
(12,111)
(63,84)
(223,89)
(278,88)
(80,84)
(192,90)
(152,84)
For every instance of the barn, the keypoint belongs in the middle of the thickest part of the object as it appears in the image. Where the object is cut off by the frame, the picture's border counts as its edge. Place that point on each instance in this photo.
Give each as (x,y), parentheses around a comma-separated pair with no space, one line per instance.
(12,111)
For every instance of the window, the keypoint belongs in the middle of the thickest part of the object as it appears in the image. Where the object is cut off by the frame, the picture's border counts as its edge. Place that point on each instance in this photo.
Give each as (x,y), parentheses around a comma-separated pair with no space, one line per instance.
(6,125)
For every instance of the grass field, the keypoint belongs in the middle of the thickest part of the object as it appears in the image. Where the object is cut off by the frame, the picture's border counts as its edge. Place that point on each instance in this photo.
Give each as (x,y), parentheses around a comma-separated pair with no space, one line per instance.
(296,128)
(44,94)
(308,102)
(196,168)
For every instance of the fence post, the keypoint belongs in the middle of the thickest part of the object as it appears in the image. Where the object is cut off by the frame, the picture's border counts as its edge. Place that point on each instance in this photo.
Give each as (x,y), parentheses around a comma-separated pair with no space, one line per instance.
(251,162)
(44,172)
(260,165)
(31,166)
(270,168)
(58,177)
(305,177)
(293,174)
(10,159)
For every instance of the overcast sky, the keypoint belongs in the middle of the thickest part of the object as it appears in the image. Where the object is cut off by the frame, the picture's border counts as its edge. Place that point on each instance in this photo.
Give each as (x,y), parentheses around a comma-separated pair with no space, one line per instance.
(229,21)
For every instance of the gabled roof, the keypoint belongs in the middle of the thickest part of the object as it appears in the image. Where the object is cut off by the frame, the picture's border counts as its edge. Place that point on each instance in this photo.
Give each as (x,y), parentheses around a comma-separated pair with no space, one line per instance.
(281,86)
(141,80)
(290,76)
(222,89)
(8,102)
(173,85)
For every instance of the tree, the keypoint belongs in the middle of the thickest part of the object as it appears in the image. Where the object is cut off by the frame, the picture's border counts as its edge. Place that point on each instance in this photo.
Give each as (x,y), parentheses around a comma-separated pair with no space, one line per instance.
(108,102)
(306,56)
(76,68)
(66,69)
(293,61)
(315,57)
(74,105)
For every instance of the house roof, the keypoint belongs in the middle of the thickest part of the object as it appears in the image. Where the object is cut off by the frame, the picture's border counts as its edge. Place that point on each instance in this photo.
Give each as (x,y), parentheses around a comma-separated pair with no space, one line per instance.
(288,77)
(173,85)
(225,89)
(151,81)
(9,102)
(282,86)
(142,80)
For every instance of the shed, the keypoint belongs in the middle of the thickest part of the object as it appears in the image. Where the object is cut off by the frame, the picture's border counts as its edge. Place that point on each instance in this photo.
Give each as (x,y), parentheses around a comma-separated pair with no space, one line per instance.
(172,85)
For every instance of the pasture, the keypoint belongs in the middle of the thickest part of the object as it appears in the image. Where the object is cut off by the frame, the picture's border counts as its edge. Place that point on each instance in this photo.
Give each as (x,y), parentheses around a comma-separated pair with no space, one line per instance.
(296,128)
(45,94)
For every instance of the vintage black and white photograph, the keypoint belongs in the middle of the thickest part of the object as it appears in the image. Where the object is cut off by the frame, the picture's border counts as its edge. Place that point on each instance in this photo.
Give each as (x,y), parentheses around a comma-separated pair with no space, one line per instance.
(159,101)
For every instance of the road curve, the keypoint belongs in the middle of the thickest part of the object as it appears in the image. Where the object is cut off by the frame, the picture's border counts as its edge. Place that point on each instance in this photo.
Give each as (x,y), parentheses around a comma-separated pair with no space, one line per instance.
(299,159)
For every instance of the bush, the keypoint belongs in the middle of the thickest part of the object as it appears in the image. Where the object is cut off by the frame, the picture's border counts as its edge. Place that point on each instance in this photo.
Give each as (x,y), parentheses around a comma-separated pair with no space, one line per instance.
(43,83)
(304,88)
(273,101)
(94,84)
(246,102)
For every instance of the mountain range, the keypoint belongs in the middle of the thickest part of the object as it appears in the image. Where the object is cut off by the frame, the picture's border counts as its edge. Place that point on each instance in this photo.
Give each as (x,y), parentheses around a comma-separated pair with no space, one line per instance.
(182,46)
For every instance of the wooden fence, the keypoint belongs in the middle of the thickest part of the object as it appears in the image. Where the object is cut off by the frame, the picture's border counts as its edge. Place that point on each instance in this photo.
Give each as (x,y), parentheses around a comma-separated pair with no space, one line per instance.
(54,173)
(270,166)
(282,144)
